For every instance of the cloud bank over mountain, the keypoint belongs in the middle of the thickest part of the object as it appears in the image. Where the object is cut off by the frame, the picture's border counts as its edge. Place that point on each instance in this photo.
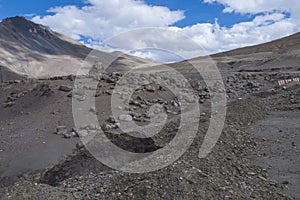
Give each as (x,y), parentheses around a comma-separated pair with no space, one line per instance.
(99,20)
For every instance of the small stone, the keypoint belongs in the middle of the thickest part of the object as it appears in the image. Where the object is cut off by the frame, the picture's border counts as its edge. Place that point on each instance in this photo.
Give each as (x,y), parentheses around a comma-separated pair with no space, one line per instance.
(174,103)
(80,97)
(262,178)
(292,101)
(111,80)
(161,88)
(293,144)
(150,88)
(106,127)
(126,118)
(9,104)
(67,135)
(98,93)
(108,92)
(111,119)
(55,112)
(135,103)
(71,77)
(92,127)
(79,145)
(74,134)
(83,133)
(65,88)
(273,91)
(93,109)
(60,130)
(11,98)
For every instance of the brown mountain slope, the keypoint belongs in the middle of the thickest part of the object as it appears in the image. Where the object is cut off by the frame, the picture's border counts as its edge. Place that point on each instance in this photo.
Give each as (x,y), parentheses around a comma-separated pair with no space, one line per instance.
(33,50)
(282,45)
(278,55)
(35,37)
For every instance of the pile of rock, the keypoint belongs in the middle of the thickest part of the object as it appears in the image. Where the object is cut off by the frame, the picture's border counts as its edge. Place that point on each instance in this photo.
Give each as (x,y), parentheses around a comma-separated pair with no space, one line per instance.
(242,83)
(11,99)
(63,130)
(43,89)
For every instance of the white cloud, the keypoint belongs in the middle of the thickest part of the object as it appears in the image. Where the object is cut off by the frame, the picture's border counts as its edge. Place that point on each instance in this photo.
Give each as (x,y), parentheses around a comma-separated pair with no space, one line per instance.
(263,28)
(261,6)
(258,6)
(102,19)
(154,43)
(157,55)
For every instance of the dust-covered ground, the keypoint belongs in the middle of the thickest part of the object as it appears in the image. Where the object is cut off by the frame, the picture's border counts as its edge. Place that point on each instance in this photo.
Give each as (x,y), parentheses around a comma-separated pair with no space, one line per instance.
(256,157)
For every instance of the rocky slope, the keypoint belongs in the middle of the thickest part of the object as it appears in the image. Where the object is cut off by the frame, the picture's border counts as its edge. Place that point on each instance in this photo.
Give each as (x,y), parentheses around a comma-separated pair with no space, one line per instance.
(35,51)
(34,110)
(278,55)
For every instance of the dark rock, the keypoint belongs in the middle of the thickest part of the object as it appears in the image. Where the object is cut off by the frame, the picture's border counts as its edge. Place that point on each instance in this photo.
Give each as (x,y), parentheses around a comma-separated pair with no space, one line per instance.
(65,88)
(108,92)
(67,135)
(9,104)
(285,182)
(79,145)
(111,119)
(60,130)
(150,88)
(106,127)
(71,77)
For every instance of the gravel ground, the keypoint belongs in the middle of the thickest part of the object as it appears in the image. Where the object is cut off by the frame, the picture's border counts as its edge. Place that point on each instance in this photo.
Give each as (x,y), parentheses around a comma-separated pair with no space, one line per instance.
(248,162)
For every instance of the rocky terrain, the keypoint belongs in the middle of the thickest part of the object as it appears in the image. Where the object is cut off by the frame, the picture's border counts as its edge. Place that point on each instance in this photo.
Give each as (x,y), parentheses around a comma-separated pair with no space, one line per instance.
(256,157)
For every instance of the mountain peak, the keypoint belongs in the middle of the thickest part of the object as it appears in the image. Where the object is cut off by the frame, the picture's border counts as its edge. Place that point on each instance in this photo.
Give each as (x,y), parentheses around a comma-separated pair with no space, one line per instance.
(19,22)
(14,19)
(28,36)
(21,26)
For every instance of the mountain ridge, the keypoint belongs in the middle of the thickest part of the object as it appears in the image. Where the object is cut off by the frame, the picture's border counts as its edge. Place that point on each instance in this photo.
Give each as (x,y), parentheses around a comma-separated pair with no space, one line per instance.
(35,51)
(277,55)
(32,50)
(19,29)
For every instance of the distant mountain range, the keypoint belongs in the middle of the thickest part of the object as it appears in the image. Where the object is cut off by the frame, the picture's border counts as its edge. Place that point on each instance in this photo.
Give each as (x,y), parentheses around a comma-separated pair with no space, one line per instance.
(32,50)
(278,55)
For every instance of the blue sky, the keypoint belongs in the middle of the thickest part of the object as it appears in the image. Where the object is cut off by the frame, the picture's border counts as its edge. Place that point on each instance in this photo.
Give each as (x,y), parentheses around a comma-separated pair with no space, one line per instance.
(194,10)
(10,8)
(197,12)
(215,25)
